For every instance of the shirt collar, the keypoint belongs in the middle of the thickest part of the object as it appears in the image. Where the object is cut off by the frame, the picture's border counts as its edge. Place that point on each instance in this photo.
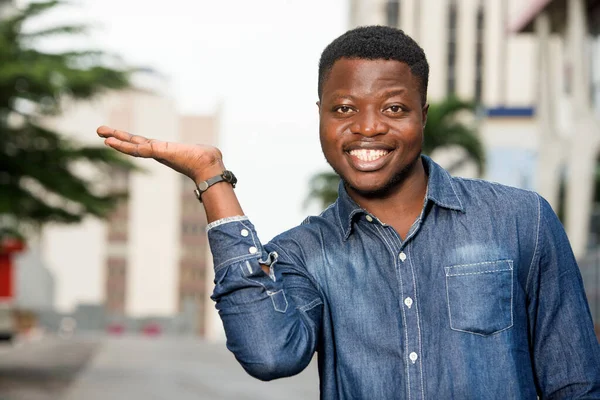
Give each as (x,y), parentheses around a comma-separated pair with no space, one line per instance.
(440,191)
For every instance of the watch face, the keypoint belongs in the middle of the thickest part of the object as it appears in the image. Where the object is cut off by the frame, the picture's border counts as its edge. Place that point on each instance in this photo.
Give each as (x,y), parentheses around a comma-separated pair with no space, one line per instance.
(229,177)
(202,186)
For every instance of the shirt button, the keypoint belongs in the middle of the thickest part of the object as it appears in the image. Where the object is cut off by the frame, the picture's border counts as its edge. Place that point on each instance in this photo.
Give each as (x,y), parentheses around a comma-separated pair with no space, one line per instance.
(402,256)
(369,218)
(244,232)
(252,250)
(408,302)
(413,357)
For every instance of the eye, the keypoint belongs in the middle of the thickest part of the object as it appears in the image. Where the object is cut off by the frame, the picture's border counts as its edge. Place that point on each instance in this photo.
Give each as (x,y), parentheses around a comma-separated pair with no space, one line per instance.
(343,109)
(395,109)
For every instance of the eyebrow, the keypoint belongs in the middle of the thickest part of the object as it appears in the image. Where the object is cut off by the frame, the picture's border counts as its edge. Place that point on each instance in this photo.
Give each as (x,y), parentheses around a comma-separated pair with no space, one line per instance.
(394,92)
(342,96)
(387,94)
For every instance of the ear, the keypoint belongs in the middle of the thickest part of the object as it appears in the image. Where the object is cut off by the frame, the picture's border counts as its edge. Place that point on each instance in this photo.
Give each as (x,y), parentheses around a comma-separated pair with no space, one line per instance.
(424,113)
(319,104)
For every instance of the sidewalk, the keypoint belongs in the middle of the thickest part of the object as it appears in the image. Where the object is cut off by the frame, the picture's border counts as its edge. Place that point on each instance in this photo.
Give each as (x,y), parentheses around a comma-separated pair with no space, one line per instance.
(132,368)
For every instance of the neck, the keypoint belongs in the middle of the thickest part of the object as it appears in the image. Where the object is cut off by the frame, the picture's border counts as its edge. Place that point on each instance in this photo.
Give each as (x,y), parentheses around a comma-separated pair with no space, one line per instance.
(401,205)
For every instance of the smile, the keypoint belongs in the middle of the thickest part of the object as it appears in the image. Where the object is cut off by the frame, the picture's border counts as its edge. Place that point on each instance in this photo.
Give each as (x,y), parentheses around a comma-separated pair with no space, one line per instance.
(368,154)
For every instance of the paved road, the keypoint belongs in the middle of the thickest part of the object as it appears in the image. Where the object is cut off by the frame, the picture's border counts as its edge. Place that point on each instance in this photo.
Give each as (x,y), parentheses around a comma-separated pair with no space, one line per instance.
(132,368)
(42,370)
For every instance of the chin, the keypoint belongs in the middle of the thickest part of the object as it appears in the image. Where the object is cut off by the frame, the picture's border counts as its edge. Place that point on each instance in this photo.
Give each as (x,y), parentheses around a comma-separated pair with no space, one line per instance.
(370,191)
(371,185)
(379,185)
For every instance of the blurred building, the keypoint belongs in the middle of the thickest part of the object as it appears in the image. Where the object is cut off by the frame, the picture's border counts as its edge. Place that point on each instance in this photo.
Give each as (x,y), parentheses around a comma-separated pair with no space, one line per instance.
(151,257)
(471,55)
(195,263)
(574,147)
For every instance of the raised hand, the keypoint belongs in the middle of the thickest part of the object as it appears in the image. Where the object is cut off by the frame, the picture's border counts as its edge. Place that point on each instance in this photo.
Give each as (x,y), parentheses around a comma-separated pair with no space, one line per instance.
(199,162)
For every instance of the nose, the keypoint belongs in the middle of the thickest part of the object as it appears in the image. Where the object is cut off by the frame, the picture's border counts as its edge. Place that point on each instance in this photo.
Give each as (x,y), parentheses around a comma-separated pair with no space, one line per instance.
(369,122)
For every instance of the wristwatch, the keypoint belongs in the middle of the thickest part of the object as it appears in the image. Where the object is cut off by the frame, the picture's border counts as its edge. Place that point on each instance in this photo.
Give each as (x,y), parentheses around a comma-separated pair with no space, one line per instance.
(226,176)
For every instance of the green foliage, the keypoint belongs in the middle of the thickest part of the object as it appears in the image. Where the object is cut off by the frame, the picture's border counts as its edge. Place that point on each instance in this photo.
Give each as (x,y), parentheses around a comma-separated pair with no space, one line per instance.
(38,183)
(323,187)
(444,128)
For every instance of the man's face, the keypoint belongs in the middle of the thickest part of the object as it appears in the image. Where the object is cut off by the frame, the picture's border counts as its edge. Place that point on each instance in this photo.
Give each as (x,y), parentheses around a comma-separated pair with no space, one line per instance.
(371,123)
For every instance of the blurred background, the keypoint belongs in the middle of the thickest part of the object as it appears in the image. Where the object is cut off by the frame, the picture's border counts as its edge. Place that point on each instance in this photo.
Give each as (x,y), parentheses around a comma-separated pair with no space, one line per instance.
(105,272)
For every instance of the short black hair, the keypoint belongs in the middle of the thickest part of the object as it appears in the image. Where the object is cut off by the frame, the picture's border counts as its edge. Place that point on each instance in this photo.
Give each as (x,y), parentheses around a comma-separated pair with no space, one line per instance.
(376,43)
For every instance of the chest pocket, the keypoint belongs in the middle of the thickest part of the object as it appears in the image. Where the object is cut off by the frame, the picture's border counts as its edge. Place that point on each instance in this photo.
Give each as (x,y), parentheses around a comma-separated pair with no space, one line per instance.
(480,297)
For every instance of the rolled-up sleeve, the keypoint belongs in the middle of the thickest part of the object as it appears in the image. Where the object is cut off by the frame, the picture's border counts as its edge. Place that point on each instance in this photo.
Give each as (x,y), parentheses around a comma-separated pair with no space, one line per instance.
(271,321)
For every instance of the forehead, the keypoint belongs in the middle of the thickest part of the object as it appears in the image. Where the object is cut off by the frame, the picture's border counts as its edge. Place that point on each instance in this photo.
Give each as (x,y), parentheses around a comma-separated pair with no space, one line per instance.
(361,75)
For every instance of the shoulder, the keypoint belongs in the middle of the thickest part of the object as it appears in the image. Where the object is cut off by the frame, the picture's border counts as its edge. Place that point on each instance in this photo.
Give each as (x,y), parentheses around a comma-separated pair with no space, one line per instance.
(481,193)
(310,235)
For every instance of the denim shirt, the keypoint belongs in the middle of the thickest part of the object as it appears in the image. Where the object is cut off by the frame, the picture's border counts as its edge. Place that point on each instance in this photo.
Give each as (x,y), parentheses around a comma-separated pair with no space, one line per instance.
(483,299)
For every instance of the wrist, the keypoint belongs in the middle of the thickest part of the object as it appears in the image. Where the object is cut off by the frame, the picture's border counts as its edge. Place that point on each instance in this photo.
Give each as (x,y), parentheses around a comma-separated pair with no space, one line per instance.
(226,176)
(208,172)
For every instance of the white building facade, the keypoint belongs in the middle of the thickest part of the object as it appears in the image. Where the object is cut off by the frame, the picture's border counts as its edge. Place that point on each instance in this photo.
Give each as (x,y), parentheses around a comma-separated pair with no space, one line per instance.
(569,108)
(151,257)
(473,56)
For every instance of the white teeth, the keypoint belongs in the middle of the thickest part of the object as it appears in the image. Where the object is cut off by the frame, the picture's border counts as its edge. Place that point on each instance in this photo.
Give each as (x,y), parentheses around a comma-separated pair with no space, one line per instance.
(368,155)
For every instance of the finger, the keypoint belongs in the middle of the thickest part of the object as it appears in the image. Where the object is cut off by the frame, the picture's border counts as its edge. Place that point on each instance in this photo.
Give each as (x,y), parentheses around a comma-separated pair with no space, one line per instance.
(106,132)
(161,150)
(136,150)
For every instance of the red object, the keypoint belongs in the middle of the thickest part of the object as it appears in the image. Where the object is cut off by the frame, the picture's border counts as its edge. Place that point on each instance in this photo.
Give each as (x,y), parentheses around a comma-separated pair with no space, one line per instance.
(151,329)
(6,277)
(8,247)
(115,329)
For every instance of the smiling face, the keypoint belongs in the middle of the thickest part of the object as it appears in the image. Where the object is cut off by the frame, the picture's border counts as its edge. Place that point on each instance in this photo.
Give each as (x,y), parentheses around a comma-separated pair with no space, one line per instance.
(371,124)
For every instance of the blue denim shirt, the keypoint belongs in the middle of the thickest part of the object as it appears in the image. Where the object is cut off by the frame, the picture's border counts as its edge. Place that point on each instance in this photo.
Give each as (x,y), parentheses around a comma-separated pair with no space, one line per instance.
(482,300)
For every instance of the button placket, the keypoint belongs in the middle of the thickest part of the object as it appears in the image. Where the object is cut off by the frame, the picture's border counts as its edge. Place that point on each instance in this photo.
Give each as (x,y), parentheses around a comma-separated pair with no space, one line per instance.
(411,319)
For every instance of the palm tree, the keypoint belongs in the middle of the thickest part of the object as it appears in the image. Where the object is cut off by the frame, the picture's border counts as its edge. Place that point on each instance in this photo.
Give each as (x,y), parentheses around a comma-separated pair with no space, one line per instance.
(444,128)
(37,179)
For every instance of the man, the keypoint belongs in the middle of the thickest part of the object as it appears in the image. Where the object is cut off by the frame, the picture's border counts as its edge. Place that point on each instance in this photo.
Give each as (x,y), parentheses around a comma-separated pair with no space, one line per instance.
(413,284)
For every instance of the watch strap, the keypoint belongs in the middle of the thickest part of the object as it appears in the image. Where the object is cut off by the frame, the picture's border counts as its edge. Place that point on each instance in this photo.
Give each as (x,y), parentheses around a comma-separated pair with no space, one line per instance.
(226,176)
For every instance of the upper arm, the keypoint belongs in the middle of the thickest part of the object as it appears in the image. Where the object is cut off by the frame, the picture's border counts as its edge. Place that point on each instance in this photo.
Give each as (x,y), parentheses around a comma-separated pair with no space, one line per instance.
(565,351)
(298,283)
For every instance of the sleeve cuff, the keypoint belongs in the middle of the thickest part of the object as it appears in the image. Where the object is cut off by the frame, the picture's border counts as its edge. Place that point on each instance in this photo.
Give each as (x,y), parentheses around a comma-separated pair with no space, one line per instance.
(232,240)
(226,220)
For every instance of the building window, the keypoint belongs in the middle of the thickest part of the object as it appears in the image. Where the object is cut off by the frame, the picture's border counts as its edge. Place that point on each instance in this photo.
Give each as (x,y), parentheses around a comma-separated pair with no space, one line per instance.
(479,53)
(392,12)
(452,18)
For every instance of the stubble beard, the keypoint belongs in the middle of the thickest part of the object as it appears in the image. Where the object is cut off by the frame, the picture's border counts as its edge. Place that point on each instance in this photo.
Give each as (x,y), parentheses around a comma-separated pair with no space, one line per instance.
(396,180)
